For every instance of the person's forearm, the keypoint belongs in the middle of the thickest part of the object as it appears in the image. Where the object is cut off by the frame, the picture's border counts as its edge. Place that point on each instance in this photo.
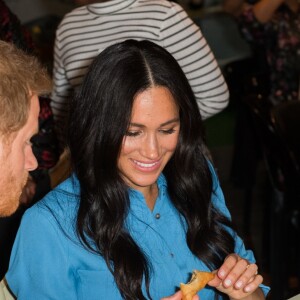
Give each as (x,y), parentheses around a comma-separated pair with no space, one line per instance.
(265,9)
(293,5)
(233,7)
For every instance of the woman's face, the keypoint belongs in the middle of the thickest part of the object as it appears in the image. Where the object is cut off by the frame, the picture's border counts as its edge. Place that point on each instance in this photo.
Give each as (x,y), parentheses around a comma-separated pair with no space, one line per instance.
(151,138)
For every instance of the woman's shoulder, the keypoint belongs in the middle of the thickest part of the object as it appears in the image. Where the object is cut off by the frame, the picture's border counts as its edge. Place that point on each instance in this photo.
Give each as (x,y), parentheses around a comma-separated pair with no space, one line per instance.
(60,204)
(213,172)
(217,197)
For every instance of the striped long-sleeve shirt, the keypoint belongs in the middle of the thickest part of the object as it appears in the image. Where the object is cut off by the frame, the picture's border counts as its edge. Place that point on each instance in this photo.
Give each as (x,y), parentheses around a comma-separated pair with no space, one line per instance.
(87,30)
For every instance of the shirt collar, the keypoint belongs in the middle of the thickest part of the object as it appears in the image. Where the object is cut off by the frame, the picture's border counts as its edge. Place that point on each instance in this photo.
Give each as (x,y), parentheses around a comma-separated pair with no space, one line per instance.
(75,187)
(161,184)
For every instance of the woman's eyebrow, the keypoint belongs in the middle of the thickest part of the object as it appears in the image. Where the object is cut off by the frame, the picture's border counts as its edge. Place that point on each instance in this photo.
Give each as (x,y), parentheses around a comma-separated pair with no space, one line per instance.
(175,120)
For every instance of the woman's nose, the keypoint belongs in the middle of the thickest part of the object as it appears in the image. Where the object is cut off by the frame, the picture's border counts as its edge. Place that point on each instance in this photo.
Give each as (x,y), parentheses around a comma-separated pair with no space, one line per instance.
(150,147)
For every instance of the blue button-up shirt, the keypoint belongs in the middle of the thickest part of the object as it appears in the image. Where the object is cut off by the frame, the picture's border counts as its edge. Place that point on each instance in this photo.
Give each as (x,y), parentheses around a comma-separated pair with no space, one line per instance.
(49,262)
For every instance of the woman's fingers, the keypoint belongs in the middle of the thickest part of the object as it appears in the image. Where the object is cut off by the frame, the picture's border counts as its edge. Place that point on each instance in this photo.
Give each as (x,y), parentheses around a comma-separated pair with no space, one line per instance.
(253,283)
(236,277)
(247,276)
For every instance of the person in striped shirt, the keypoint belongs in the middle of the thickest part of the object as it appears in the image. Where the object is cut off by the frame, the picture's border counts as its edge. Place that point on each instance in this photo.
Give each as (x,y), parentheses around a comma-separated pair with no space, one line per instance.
(89,29)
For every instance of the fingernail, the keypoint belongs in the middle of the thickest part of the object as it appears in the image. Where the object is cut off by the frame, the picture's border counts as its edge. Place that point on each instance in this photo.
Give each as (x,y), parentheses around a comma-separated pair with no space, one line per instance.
(221,273)
(227,282)
(247,289)
(239,284)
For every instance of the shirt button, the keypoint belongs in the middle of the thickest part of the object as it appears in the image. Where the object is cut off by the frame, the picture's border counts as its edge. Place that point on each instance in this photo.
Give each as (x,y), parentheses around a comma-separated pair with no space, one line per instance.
(157,216)
(172,254)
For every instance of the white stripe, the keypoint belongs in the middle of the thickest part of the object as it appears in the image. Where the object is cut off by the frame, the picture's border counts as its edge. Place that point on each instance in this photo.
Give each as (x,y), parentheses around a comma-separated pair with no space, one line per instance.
(86,31)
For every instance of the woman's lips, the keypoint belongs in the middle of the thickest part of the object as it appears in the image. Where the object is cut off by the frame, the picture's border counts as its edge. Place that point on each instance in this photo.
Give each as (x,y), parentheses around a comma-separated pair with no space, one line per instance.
(146,166)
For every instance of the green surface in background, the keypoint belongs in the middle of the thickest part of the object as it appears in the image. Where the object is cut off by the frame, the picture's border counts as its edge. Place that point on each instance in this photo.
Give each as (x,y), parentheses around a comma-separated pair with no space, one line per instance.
(220,128)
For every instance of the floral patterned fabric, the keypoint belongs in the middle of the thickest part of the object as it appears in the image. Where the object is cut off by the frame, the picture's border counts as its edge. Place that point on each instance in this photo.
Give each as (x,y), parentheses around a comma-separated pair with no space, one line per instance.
(281,40)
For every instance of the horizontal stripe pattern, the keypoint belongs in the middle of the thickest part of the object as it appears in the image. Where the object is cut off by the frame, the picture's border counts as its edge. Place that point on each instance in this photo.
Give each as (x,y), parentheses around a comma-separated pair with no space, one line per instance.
(87,30)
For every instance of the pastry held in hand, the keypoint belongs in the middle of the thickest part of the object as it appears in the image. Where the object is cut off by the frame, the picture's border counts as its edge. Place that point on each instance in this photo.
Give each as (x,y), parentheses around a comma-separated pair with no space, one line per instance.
(198,282)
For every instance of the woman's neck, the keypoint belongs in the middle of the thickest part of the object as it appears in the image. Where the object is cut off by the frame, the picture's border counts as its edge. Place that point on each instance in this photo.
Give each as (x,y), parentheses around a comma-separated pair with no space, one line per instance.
(151,195)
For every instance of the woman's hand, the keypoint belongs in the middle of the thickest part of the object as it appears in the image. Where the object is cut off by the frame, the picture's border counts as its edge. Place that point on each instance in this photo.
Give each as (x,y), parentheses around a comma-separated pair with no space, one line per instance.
(178,296)
(238,279)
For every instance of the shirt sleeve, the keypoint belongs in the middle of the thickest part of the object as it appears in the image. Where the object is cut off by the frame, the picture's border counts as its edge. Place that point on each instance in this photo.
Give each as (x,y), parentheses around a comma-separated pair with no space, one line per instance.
(219,202)
(184,40)
(39,254)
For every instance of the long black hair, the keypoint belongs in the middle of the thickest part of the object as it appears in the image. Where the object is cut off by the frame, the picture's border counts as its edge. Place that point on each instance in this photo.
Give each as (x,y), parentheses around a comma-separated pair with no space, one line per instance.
(99,118)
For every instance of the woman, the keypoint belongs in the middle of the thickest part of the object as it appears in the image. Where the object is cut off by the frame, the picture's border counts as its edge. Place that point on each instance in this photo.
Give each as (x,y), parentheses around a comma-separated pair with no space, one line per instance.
(144,206)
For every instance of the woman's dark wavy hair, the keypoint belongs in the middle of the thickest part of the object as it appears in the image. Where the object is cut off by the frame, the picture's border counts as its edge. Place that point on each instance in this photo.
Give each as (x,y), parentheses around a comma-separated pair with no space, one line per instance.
(99,118)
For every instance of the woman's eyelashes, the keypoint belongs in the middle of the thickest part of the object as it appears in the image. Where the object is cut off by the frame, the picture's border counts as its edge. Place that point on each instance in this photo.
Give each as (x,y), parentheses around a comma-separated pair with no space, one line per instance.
(133,133)
(167,131)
